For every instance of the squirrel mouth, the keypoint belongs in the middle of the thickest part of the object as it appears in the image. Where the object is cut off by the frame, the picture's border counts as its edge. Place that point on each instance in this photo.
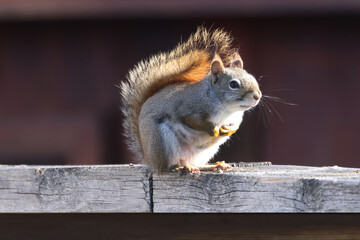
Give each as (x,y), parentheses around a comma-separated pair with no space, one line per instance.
(249,105)
(245,106)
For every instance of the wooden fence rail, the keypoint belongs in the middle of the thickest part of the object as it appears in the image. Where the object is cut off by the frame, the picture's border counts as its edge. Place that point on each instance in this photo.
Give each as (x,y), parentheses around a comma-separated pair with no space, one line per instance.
(259,187)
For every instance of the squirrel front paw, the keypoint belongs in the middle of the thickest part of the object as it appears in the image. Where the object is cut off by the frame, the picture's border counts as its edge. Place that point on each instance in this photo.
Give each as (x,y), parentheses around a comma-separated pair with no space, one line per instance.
(215,131)
(187,169)
(221,165)
(228,130)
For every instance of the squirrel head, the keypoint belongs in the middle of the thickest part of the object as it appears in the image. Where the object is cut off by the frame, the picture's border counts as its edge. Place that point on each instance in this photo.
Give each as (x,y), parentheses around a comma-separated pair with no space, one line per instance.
(233,85)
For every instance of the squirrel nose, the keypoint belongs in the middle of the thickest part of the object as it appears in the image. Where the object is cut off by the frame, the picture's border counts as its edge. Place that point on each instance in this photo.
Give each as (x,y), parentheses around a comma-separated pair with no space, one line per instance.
(256,96)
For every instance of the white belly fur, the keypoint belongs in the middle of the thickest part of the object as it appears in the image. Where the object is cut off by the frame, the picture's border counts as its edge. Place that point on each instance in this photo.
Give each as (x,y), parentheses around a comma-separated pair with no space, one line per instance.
(190,146)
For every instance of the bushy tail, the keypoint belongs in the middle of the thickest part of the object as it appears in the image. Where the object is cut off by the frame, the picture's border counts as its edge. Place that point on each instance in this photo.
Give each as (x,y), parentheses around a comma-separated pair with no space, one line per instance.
(189,61)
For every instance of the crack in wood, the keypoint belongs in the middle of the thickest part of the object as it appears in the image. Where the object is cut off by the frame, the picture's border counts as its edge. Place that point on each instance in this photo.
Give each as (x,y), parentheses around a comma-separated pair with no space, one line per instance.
(134,188)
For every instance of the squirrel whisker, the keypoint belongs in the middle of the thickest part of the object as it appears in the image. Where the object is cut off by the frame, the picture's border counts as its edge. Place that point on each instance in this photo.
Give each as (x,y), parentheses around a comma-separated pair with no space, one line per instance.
(265,113)
(271,107)
(277,99)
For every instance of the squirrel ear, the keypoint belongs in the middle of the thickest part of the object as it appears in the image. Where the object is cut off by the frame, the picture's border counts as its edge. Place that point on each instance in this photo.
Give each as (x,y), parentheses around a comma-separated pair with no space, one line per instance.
(236,62)
(217,65)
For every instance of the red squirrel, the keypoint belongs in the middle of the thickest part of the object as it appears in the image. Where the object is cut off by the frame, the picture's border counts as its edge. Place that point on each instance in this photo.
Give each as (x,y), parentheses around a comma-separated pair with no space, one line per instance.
(180,106)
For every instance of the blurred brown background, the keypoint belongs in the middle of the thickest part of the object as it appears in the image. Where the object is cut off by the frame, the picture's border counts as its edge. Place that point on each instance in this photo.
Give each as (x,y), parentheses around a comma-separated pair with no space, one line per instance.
(60,62)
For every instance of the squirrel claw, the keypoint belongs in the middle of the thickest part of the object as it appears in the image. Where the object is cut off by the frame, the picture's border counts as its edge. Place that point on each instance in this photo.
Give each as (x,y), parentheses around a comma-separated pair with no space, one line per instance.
(184,170)
(221,165)
(227,130)
(218,166)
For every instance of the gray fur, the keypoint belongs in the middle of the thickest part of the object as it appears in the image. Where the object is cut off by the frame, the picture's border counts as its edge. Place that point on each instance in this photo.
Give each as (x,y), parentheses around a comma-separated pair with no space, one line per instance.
(166,140)
(154,123)
(158,68)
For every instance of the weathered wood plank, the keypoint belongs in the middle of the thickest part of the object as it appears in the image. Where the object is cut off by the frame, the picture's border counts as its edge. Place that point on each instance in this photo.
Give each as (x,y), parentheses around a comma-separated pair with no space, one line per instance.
(74,189)
(125,188)
(260,189)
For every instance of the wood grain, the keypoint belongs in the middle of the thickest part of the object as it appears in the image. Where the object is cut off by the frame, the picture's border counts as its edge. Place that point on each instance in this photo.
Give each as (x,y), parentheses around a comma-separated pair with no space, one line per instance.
(41,189)
(260,189)
(132,188)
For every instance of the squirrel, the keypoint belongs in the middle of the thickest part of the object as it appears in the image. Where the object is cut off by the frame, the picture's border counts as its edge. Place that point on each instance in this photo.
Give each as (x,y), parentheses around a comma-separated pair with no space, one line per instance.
(180,106)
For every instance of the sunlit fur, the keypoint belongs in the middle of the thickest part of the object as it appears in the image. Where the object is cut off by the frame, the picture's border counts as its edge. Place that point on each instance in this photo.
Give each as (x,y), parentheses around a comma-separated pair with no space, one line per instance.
(189,80)
(189,61)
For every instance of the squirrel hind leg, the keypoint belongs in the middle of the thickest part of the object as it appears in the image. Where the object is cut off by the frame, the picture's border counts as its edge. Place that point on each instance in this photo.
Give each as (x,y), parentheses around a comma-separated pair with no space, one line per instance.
(155,139)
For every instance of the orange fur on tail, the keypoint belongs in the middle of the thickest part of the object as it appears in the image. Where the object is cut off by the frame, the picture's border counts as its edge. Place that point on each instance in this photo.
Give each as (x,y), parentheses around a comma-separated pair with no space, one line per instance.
(195,71)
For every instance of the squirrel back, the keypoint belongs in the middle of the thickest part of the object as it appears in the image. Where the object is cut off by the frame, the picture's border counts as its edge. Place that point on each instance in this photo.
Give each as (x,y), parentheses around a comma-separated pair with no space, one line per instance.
(188,62)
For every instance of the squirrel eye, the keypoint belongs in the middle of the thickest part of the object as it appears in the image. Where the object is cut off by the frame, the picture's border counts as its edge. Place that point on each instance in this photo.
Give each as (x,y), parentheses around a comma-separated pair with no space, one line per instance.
(234,84)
